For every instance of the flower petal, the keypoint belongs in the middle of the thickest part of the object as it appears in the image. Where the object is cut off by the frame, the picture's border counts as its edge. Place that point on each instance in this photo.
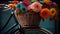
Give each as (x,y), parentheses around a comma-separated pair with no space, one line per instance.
(52,11)
(15,2)
(11,5)
(36,6)
(44,13)
(25,2)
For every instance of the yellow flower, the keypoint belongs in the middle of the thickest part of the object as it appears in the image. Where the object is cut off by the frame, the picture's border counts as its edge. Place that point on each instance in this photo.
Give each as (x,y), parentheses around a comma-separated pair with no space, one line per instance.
(32,0)
(52,11)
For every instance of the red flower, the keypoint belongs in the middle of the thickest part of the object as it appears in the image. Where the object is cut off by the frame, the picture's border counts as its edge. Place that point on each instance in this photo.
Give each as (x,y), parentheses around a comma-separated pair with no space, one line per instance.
(15,2)
(25,2)
(44,13)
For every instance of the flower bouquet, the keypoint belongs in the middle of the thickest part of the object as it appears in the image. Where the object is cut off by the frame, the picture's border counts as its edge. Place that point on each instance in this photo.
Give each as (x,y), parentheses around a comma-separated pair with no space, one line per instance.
(35,12)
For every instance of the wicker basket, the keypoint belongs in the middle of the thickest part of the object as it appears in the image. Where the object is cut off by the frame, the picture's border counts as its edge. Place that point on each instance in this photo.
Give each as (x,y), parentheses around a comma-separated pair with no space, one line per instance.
(29,19)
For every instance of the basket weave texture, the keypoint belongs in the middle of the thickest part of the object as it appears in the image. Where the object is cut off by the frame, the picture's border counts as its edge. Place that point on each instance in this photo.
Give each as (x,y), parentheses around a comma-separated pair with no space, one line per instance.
(29,19)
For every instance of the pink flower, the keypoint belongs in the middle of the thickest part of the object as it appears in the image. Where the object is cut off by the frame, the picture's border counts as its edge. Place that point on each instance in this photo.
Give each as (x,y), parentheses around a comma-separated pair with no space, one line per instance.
(36,6)
(29,7)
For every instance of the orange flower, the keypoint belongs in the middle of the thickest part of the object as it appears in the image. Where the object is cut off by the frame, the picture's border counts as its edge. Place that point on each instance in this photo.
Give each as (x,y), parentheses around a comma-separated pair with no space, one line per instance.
(15,2)
(11,5)
(52,11)
(36,6)
(46,1)
(44,13)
